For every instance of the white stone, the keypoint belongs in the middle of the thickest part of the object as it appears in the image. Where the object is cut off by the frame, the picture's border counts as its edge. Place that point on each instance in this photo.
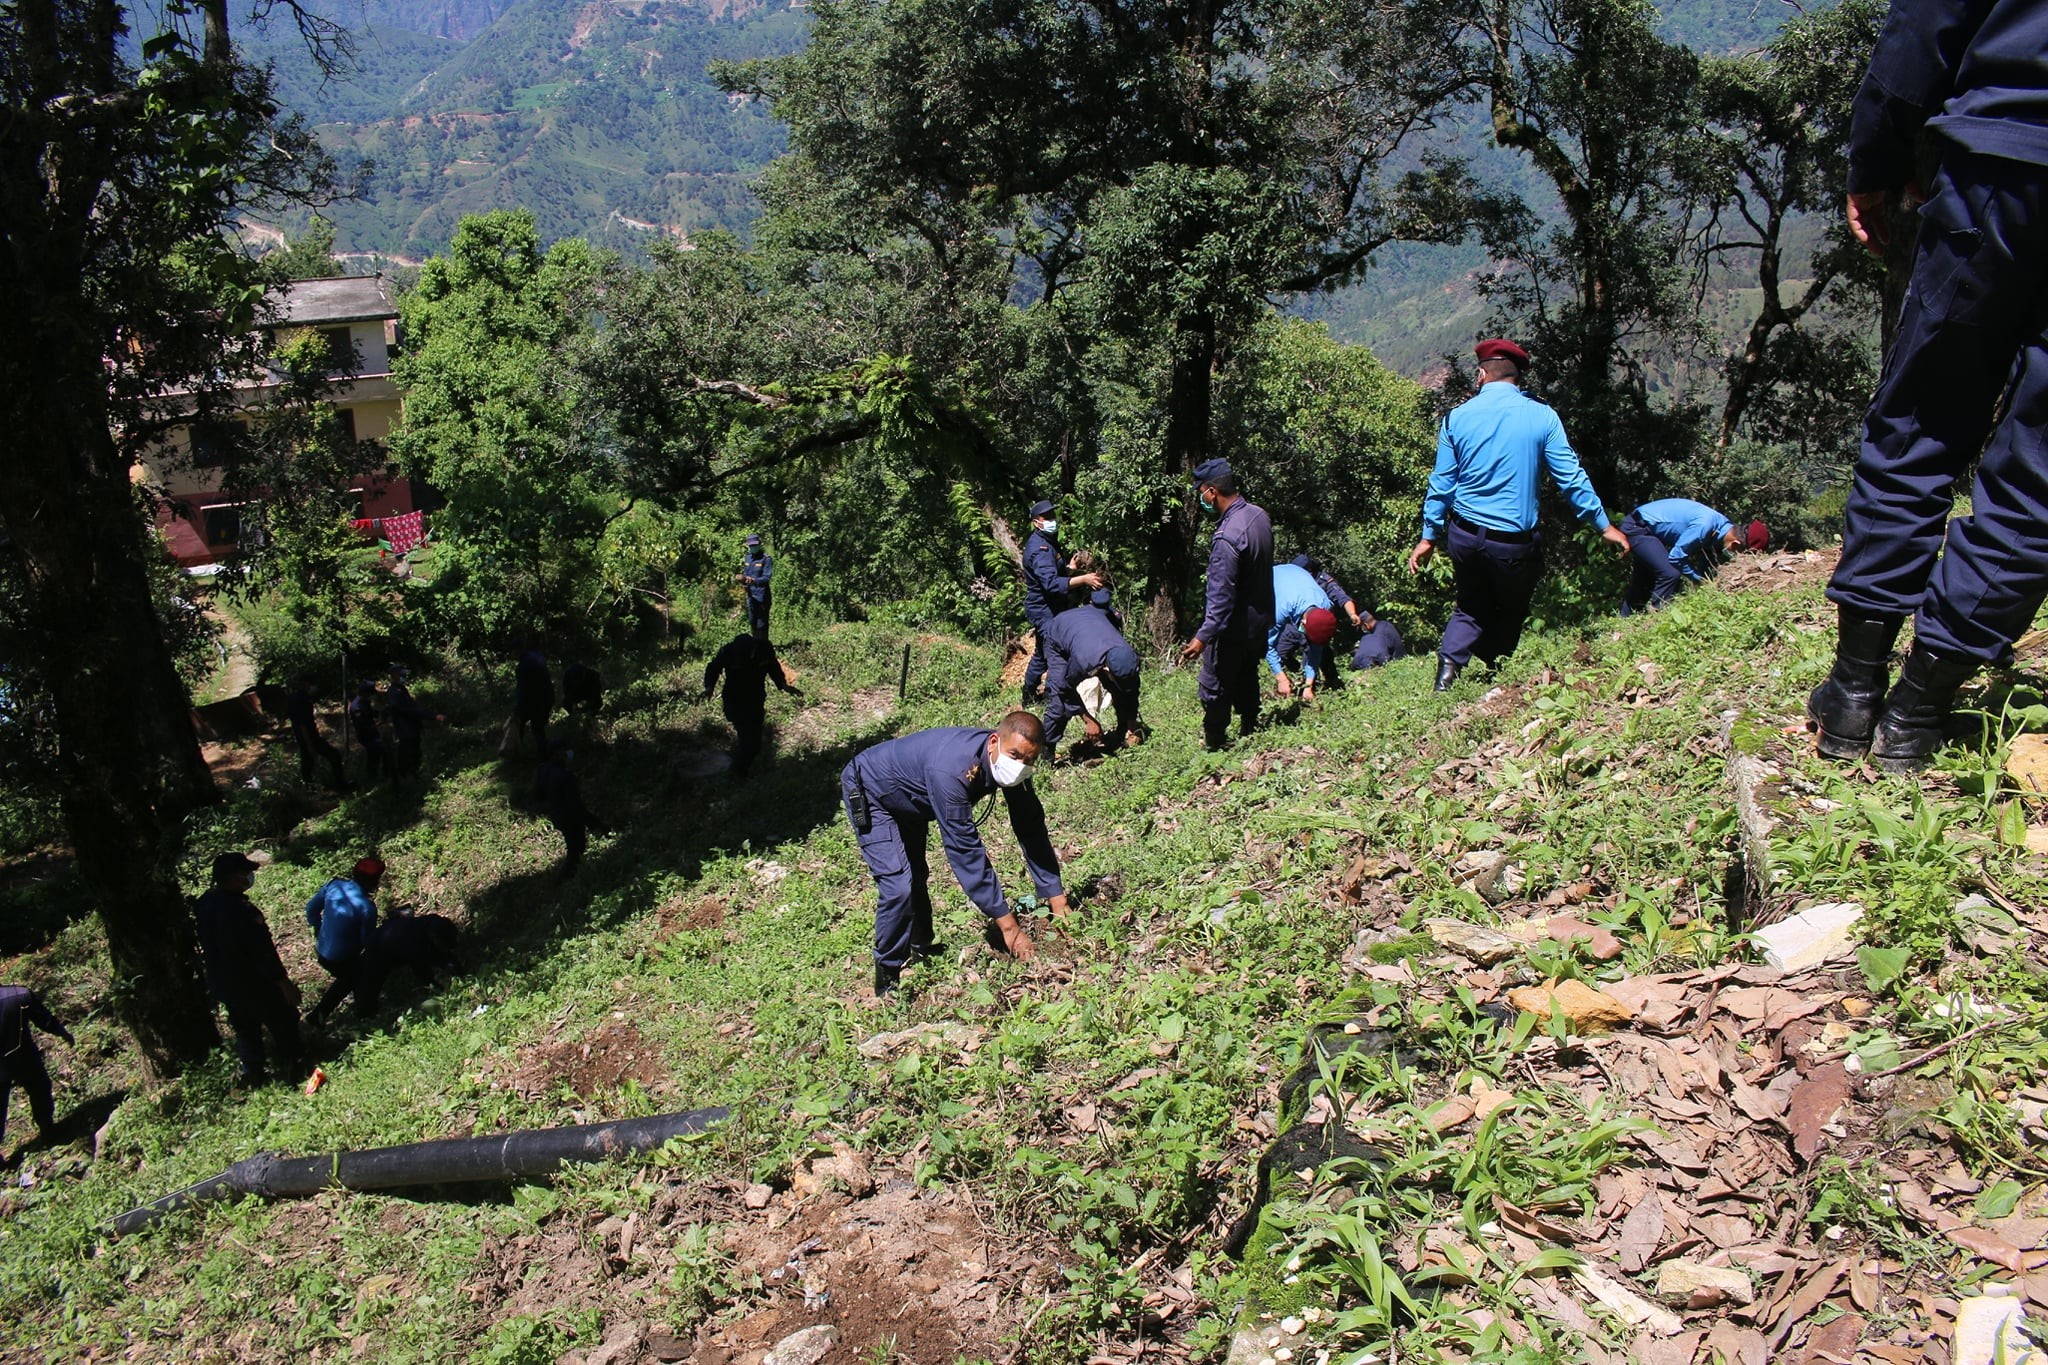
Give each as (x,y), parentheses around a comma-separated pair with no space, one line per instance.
(807,1347)
(1290,1325)
(1817,934)
(1703,1286)
(1476,941)
(1988,1333)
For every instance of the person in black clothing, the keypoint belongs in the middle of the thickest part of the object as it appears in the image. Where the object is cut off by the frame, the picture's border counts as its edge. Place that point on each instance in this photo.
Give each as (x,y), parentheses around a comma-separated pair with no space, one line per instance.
(408,722)
(582,689)
(244,972)
(362,718)
(299,707)
(560,798)
(533,701)
(21,1059)
(749,665)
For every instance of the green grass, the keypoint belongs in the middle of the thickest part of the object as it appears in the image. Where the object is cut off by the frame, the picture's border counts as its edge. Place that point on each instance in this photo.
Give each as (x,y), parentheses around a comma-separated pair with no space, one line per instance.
(1180,1000)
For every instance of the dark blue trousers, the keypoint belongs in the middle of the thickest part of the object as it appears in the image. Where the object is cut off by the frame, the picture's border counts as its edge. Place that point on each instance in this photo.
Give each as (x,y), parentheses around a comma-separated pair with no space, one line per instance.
(894,851)
(1229,681)
(1653,579)
(757,614)
(1975,320)
(1034,672)
(1494,580)
(1066,706)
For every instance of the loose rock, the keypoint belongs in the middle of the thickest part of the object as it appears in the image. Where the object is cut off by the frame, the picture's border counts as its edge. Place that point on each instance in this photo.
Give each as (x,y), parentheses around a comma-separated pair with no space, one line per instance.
(1703,1286)
(1817,934)
(1476,941)
(1988,1331)
(807,1347)
(1589,1010)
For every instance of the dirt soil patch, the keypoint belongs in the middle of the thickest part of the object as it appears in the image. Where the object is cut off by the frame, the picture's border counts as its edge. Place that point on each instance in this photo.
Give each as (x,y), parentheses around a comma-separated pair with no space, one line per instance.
(894,1266)
(1783,572)
(601,1060)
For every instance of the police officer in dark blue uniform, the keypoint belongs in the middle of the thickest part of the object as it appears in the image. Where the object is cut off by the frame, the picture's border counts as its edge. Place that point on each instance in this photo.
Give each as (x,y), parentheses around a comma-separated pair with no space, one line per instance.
(757,572)
(1237,605)
(1974,326)
(893,793)
(1086,642)
(1048,581)
(244,972)
(1484,491)
(749,665)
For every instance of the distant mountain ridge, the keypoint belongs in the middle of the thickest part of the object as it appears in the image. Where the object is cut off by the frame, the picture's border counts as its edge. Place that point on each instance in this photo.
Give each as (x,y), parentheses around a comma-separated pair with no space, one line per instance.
(598,116)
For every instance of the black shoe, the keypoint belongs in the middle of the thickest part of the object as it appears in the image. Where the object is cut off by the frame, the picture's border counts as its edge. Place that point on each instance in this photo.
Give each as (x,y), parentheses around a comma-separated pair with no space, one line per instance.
(1446,673)
(1844,708)
(926,952)
(1915,715)
(886,978)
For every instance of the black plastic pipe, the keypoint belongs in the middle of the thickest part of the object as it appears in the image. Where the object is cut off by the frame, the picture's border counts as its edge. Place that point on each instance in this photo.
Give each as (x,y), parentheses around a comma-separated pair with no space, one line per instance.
(533,1151)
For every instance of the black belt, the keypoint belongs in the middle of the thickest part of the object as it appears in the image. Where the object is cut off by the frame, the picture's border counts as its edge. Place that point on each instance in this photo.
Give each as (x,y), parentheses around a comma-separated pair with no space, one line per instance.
(1505,537)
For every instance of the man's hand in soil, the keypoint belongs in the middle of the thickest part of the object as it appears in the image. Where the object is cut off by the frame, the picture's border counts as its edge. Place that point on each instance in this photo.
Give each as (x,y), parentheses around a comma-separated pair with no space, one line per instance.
(1284,684)
(1015,941)
(1060,906)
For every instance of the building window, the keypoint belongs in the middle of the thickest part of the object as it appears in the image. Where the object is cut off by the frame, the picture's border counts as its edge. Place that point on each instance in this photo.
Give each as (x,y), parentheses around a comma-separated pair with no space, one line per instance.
(341,351)
(212,443)
(223,525)
(345,418)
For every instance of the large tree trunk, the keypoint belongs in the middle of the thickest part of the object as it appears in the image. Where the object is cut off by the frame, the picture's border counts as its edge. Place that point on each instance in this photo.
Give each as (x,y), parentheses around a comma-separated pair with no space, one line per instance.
(130,766)
(1169,555)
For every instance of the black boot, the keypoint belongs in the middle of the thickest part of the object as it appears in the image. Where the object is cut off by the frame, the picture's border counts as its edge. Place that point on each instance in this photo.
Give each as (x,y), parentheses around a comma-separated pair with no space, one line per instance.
(1446,673)
(1844,708)
(886,978)
(1911,727)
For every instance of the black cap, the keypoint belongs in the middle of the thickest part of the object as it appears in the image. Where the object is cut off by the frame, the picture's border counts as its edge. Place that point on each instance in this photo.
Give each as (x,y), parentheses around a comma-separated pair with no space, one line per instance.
(1041,508)
(1122,661)
(228,865)
(1099,598)
(753,540)
(1301,561)
(1209,471)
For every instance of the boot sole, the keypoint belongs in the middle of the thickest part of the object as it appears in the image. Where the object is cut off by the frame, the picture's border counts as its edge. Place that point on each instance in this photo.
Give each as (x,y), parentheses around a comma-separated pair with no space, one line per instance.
(1840,746)
(1886,763)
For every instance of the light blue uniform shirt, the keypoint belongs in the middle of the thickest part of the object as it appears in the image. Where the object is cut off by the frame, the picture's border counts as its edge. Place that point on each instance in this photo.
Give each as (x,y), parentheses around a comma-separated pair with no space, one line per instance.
(1295,594)
(1487,452)
(1685,526)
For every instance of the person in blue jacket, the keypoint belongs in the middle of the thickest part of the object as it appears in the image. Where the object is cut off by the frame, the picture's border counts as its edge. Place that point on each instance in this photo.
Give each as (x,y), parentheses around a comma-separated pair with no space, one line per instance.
(1237,605)
(1298,627)
(1965,378)
(1049,582)
(1086,642)
(343,915)
(1483,492)
(896,790)
(1668,537)
(757,572)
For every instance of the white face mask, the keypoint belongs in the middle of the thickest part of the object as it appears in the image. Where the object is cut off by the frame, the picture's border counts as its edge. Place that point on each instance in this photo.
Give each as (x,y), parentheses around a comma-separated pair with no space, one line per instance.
(1007,769)
(1049,526)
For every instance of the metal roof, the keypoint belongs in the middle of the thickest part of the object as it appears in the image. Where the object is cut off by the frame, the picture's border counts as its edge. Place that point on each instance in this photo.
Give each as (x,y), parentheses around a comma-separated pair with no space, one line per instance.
(347,298)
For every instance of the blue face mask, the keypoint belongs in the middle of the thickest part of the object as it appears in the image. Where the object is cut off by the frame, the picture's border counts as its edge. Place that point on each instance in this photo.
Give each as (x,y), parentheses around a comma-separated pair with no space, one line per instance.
(1208,503)
(1049,526)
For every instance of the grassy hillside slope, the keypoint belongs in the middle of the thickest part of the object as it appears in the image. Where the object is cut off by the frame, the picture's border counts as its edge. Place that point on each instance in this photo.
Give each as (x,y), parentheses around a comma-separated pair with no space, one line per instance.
(1048,1167)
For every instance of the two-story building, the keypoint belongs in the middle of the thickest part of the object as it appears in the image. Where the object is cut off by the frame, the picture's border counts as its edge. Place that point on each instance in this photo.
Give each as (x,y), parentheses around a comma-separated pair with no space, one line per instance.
(358,317)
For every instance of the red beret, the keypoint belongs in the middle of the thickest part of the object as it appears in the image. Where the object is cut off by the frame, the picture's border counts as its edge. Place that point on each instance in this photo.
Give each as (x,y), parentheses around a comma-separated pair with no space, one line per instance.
(369,867)
(1500,348)
(1758,537)
(1319,625)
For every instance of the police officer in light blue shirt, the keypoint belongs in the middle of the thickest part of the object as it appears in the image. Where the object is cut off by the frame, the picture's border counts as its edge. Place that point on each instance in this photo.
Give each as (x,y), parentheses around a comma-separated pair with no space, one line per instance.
(1667,538)
(1483,492)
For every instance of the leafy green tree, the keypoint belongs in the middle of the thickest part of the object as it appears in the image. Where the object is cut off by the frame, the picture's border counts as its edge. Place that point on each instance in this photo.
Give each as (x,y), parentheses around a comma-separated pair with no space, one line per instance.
(1607,112)
(309,256)
(120,181)
(1778,121)
(1216,153)
(490,421)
